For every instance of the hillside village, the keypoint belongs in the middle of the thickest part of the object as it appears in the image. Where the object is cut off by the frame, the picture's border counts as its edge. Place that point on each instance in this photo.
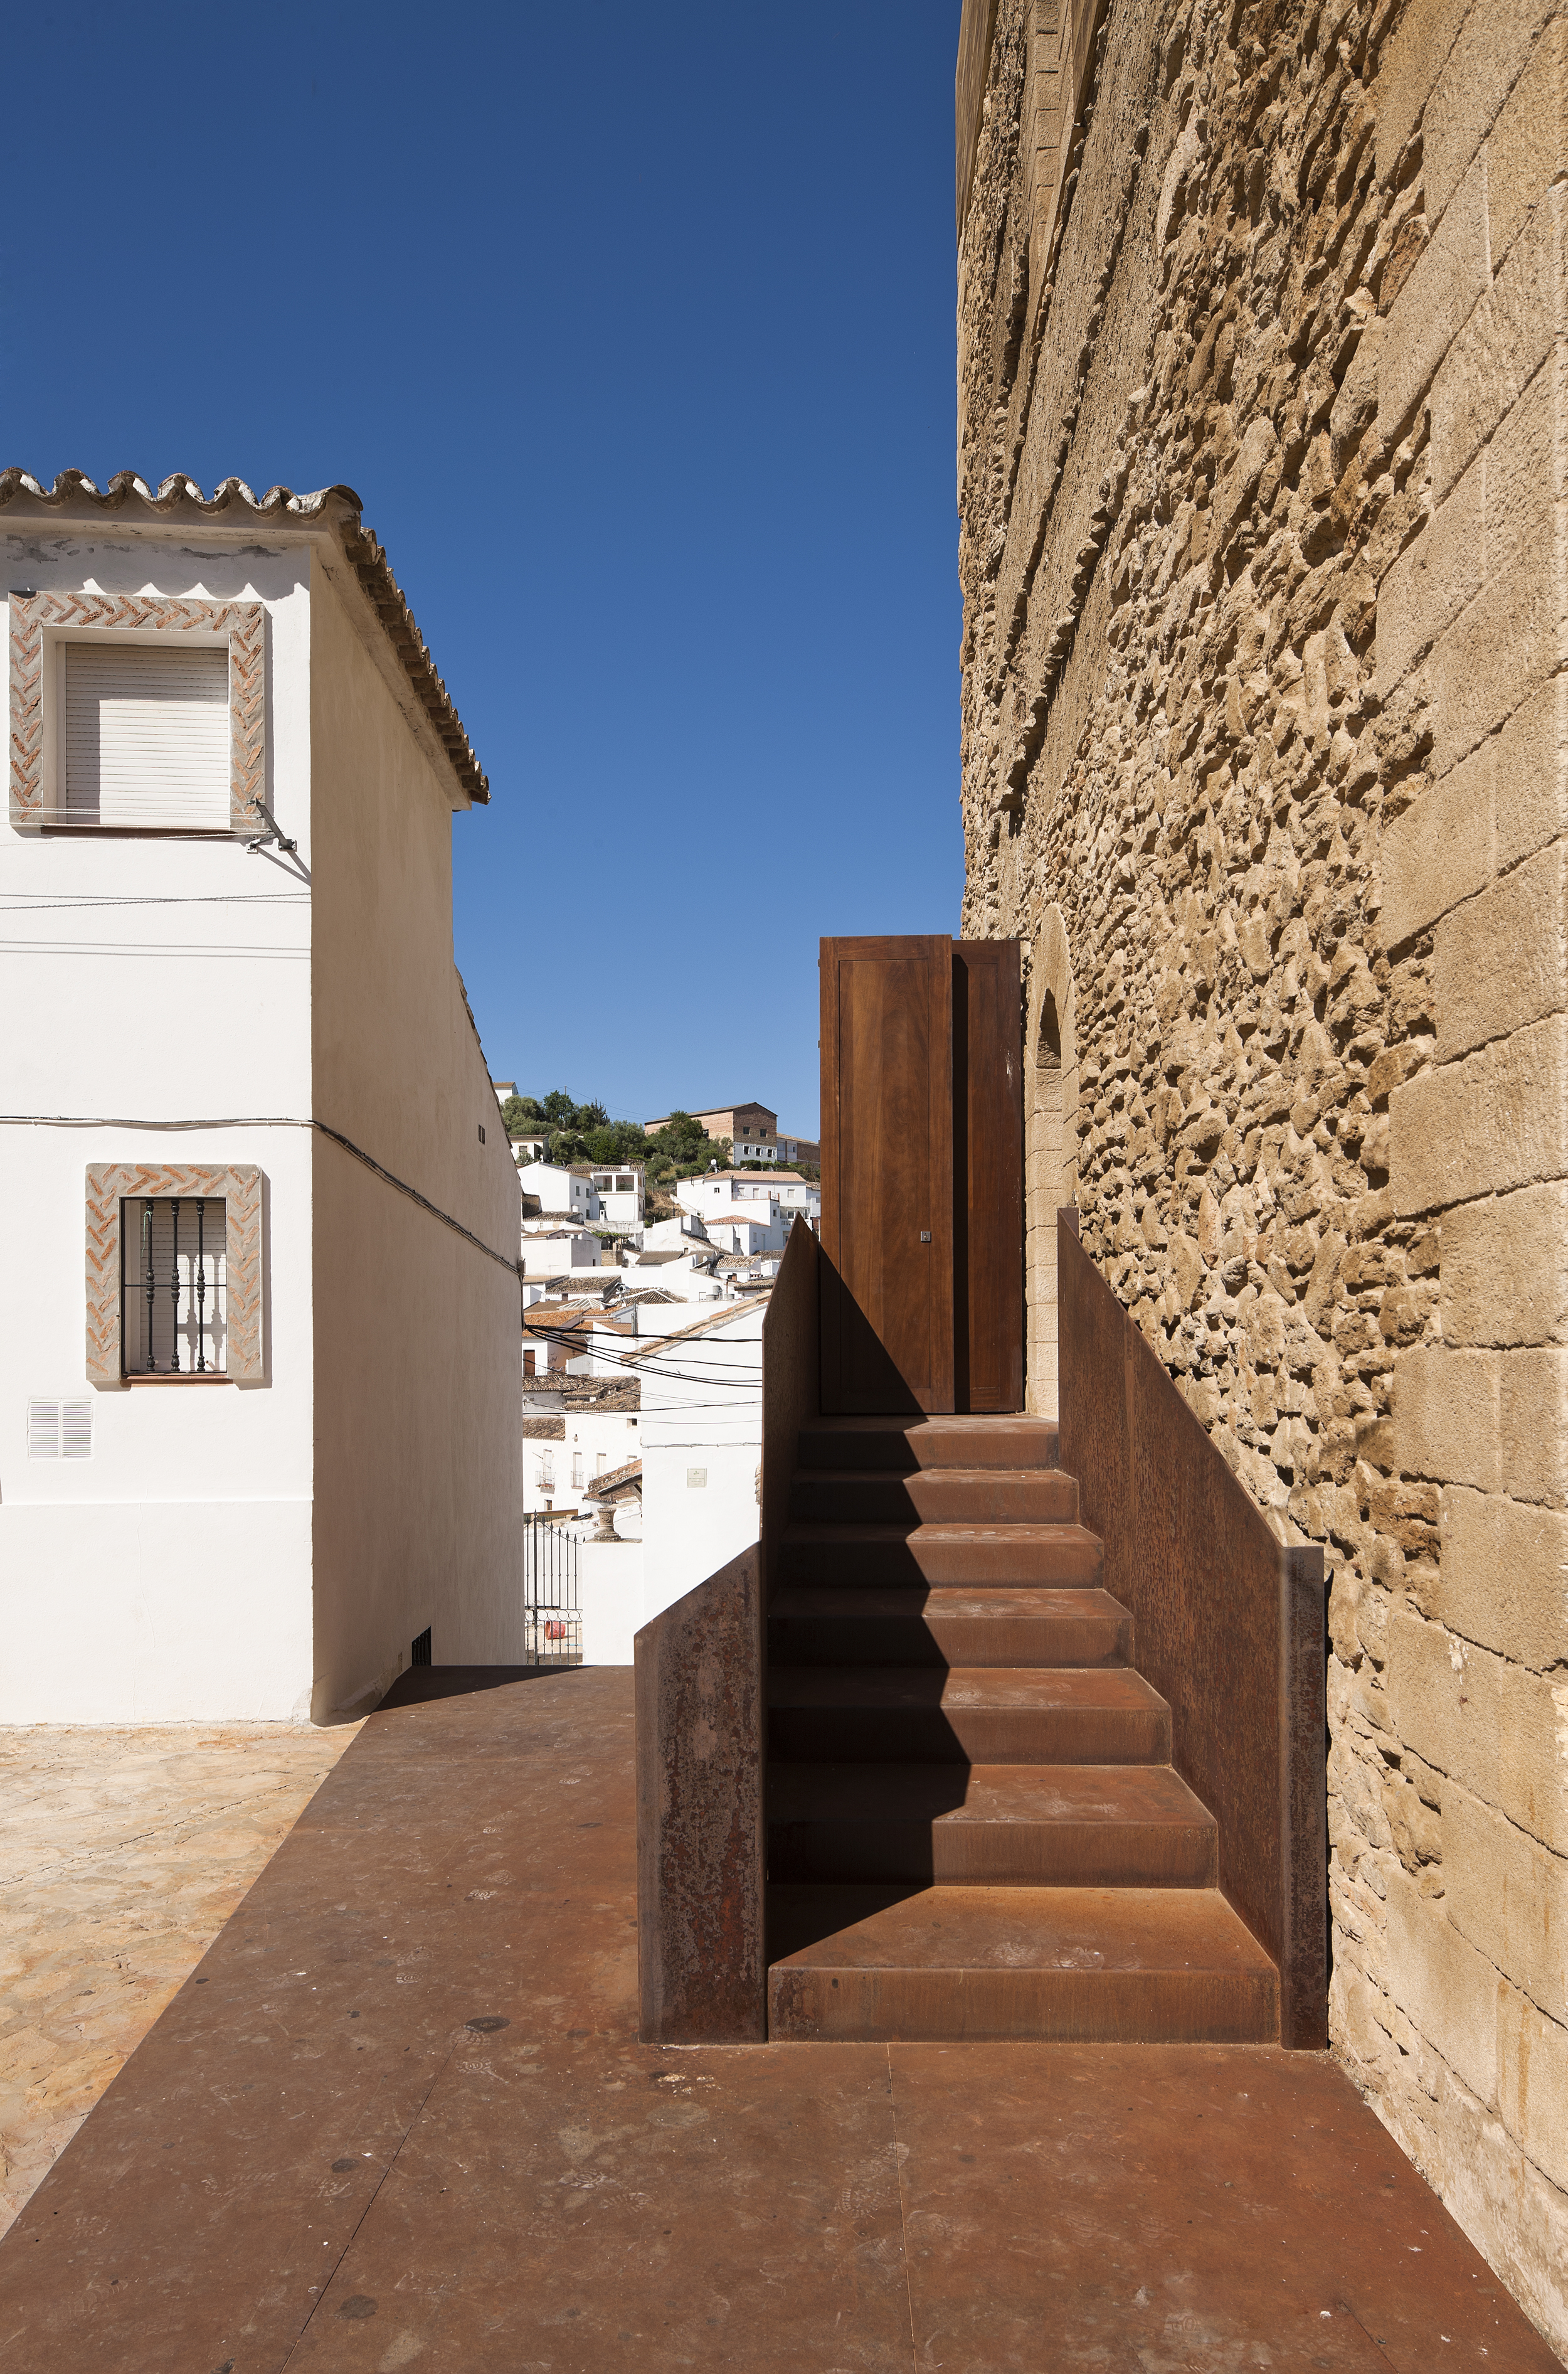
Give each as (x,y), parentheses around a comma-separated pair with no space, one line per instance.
(1066,1734)
(649,1251)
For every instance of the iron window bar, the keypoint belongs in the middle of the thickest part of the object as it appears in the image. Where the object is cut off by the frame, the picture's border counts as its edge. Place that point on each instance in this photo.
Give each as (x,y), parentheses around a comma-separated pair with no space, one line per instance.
(202,1279)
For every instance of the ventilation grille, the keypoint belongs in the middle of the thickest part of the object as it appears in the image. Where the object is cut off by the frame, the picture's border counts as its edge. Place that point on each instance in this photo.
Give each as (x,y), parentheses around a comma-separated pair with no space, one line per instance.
(147,738)
(420,1653)
(59,1429)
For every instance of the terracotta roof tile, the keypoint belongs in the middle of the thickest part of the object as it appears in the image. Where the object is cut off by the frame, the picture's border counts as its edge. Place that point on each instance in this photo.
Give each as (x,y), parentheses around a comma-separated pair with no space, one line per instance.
(179,496)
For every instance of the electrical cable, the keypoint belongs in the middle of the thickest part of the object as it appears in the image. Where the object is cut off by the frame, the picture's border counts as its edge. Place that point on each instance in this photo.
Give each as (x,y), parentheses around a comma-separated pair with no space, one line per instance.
(41,906)
(267,1121)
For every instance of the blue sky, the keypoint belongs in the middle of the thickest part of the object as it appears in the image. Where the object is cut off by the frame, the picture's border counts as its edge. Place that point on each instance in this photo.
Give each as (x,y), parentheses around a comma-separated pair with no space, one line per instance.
(633,327)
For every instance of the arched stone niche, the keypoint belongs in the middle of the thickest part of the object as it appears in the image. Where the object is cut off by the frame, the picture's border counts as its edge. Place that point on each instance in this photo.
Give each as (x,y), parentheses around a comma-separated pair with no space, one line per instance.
(1050,1143)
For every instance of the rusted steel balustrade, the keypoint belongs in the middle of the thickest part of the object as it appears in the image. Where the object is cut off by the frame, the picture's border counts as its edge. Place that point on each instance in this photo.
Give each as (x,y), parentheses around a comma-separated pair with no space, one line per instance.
(1229,1622)
(701,1728)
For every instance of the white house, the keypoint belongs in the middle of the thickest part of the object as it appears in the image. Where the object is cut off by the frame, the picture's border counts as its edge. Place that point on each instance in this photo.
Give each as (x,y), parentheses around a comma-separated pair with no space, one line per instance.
(621,1194)
(788,1191)
(682,1234)
(593,1443)
(269,1450)
(701,1435)
(688,1276)
(759,1230)
(559,1189)
(565,1250)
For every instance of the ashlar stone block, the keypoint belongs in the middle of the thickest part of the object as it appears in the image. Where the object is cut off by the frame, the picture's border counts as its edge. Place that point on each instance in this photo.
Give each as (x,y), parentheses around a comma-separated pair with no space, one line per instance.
(1531,775)
(1503,344)
(1528,147)
(1501,959)
(1504,1277)
(1442,850)
(1532,1424)
(1509,1896)
(1480,1720)
(1445,1415)
(1503,1576)
(1523,470)
(1432,580)
(1449,280)
(1479,1127)
(1500,651)
(1443,1986)
(1490,53)
(1411,64)
(1532,2081)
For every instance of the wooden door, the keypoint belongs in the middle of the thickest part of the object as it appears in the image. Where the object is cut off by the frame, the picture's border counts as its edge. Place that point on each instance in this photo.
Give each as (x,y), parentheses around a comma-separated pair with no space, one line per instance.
(988,1175)
(887,1342)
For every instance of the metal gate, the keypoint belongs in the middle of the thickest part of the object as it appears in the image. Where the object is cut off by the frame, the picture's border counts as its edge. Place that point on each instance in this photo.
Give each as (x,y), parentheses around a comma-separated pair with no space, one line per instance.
(552,1618)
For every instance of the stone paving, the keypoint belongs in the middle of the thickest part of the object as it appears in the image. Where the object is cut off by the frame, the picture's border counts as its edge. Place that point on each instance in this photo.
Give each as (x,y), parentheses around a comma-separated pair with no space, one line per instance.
(122,1853)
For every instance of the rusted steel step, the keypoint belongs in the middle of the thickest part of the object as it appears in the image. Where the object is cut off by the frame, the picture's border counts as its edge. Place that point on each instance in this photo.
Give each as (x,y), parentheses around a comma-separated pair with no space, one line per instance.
(1053,1555)
(1009,1824)
(955,1496)
(1099,1714)
(907,1443)
(838,1624)
(1064,1965)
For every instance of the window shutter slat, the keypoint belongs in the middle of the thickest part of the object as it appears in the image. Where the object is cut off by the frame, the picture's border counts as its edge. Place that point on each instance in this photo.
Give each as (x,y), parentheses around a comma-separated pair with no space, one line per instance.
(146,735)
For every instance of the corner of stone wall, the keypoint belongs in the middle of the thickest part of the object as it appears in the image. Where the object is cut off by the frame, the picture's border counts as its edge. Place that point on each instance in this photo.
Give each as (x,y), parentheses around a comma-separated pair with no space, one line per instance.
(1264,504)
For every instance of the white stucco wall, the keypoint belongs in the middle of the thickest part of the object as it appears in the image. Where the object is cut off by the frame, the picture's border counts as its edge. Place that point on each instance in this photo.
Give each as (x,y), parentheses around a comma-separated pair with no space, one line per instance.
(610,1593)
(153,981)
(418,1331)
(608,1435)
(701,1418)
(261,1551)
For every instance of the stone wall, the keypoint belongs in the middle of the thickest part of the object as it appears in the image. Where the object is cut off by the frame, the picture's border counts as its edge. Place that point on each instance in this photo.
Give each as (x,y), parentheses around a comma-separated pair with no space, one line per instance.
(1263,419)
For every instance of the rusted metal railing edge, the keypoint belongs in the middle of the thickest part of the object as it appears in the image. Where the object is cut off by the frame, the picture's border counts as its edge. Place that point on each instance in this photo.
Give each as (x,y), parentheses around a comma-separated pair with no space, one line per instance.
(1301,1945)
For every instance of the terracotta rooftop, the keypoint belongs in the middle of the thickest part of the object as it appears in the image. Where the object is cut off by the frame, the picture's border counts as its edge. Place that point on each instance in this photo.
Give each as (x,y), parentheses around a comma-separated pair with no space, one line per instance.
(715,1314)
(617,1480)
(178,499)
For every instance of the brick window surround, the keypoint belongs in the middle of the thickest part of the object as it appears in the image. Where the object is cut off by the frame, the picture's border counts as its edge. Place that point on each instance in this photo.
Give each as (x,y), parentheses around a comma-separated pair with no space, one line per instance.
(244,623)
(240,1184)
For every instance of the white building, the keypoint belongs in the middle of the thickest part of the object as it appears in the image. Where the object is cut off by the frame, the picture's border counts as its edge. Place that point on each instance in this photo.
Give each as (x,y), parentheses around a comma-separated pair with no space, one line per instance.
(759,1230)
(571,1192)
(688,1276)
(701,1435)
(621,1194)
(682,1234)
(790,1191)
(555,1474)
(274,1441)
(564,1250)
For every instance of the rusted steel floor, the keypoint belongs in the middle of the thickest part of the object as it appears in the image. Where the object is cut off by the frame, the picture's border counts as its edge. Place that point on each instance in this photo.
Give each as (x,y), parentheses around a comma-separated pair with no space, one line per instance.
(399,2118)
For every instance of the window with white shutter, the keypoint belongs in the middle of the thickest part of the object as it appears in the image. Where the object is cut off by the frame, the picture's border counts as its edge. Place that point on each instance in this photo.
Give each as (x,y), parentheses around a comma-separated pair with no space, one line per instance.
(59,1429)
(174,1286)
(144,738)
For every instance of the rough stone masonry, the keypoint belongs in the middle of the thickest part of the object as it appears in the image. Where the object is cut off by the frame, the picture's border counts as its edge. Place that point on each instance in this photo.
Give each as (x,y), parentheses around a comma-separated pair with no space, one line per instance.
(1263,425)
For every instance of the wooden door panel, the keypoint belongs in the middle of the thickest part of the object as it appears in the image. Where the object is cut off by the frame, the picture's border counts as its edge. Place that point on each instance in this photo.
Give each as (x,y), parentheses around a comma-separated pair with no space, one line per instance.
(887,1174)
(987,1174)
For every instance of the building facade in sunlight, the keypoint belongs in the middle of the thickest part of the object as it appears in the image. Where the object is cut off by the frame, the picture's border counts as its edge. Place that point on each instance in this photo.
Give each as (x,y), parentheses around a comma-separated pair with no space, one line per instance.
(1262,450)
(261,1353)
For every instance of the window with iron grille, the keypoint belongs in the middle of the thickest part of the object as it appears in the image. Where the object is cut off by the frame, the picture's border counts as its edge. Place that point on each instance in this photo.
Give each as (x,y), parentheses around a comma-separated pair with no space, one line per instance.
(174,1286)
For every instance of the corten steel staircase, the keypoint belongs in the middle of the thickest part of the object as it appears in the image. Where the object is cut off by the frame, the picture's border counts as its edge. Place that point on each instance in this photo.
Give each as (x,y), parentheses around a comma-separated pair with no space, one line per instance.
(973,1824)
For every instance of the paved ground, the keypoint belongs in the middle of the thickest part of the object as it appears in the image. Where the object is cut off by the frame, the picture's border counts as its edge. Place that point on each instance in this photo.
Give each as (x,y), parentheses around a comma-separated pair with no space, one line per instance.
(121,1855)
(400,2117)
